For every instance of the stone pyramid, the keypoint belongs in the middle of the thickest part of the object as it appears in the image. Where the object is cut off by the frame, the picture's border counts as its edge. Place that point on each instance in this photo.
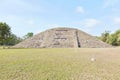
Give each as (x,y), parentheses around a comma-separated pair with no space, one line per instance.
(62,38)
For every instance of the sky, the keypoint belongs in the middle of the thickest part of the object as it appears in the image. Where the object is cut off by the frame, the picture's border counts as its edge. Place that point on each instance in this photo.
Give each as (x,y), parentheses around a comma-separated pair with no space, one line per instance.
(91,16)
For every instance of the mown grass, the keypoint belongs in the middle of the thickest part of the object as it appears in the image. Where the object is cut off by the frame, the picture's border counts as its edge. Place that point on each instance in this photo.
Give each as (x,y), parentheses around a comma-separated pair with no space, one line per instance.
(60,64)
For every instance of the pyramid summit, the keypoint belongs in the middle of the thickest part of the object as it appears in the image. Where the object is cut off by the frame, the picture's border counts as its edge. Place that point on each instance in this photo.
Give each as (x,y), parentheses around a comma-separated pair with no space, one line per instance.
(62,38)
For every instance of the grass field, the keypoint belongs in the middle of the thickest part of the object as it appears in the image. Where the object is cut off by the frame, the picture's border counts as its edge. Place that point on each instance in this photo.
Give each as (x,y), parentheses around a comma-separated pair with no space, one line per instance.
(60,64)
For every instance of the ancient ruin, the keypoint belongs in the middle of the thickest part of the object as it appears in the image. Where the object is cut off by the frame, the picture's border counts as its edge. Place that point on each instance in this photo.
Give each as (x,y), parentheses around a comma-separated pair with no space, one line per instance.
(62,38)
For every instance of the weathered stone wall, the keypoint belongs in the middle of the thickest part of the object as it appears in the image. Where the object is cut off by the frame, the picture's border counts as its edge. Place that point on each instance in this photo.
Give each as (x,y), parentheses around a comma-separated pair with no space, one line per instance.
(62,38)
(59,37)
(89,41)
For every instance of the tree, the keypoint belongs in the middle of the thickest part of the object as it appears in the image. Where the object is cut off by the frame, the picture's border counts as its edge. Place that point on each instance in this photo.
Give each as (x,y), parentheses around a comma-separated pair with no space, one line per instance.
(113,39)
(105,36)
(28,35)
(117,33)
(12,40)
(5,32)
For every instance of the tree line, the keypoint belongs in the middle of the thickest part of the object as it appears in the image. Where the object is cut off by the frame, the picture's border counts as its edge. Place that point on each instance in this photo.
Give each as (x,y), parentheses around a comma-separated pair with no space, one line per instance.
(8,38)
(111,38)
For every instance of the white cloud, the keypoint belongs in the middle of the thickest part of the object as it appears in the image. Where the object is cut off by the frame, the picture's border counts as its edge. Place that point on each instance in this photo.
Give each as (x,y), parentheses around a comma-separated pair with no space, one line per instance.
(52,25)
(11,19)
(89,23)
(80,9)
(117,20)
(30,22)
(110,3)
(17,7)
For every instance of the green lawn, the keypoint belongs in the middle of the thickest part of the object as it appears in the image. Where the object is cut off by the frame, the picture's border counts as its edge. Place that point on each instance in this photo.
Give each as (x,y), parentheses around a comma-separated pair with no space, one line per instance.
(60,64)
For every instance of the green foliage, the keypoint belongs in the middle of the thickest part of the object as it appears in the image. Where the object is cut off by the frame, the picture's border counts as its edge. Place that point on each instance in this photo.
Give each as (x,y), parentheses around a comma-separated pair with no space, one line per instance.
(118,37)
(28,35)
(12,40)
(113,39)
(5,32)
(6,36)
(104,36)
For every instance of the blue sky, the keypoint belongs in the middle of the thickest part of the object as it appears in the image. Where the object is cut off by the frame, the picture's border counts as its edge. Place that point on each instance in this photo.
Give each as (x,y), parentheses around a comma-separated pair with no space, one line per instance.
(91,16)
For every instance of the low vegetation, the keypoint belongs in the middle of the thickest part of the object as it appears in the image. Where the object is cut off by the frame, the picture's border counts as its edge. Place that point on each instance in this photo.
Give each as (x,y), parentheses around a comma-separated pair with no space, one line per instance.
(113,39)
(60,64)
